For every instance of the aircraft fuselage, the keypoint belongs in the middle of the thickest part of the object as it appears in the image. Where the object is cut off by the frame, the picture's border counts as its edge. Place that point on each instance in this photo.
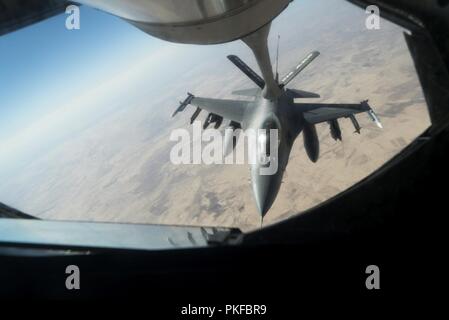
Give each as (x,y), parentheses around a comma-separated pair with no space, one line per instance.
(265,114)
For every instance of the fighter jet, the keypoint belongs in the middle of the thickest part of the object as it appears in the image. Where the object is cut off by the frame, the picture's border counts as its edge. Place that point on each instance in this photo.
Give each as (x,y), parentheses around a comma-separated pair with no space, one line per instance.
(274,107)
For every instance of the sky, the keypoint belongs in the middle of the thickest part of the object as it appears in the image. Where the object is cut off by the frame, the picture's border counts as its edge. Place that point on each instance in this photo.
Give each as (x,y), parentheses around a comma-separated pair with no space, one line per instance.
(44,67)
(53,81)
(47,55)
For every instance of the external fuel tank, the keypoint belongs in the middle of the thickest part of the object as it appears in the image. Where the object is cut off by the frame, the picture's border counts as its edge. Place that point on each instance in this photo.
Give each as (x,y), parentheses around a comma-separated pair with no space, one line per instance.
(311,142)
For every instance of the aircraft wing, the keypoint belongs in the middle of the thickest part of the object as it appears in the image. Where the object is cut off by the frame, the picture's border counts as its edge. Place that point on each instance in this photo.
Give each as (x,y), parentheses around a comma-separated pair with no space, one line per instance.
(322,112)
(228,109)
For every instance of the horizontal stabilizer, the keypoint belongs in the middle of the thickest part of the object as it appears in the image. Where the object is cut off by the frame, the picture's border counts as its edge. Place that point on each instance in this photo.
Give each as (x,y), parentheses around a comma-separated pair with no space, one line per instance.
(320,112)
(247,70)
(253,92)
(301,66)
(183,104)
(294,93)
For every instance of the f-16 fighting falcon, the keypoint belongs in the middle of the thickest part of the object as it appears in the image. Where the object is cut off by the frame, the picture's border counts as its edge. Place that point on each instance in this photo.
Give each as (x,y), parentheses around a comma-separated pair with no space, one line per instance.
(274,107)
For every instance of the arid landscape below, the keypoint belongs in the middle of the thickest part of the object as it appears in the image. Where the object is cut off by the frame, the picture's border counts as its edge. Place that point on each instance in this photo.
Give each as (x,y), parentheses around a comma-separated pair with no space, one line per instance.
(118,169)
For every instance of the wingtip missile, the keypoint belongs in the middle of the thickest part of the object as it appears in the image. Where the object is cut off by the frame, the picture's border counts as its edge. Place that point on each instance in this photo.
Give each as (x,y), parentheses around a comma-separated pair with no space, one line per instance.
(374,118)
(371,114)
(184,104)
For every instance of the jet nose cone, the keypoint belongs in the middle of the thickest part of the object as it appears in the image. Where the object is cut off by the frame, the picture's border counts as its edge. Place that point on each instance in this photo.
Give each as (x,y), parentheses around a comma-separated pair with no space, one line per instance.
(263,204)
(265,188)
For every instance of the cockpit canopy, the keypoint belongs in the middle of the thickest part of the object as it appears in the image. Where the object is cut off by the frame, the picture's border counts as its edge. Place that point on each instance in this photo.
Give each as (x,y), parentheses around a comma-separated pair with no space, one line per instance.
(268,141)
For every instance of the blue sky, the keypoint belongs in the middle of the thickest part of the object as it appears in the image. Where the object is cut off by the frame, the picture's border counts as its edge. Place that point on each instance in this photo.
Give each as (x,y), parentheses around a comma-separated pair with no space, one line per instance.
(45,64)
(55,81)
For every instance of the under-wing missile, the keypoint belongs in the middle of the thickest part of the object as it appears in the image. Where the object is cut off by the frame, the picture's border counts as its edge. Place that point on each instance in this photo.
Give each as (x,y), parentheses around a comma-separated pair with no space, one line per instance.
(355,123)
(335,129)
(184,104)
(207,121)
(231,137)
(218,122)
(212,118)
(372,115)
(195,115)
